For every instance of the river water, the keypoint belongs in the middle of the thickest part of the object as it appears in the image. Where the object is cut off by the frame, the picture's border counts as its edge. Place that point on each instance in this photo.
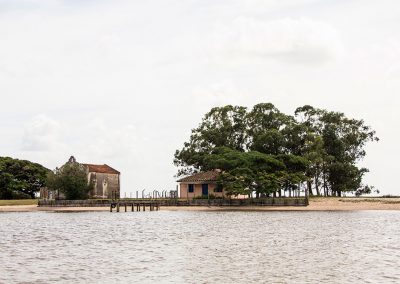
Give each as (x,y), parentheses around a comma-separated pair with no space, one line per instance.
(200,247)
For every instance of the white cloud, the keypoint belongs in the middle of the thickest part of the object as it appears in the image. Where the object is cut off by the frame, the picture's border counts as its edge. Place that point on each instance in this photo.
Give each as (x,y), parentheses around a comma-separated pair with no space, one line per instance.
(42,133)
(97,140)
(301,40)
(218,94)
(107,141)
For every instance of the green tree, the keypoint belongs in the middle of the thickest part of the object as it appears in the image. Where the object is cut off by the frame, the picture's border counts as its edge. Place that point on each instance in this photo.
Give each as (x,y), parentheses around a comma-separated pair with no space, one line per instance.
(337,143)
(315,146)
(265,129)
(71,180)
(20,178)
(220,127)
(264,174)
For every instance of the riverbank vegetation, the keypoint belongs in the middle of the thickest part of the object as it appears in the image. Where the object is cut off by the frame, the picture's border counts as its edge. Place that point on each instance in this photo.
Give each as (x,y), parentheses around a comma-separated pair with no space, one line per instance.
(20,179)
(18,202)
(265,151)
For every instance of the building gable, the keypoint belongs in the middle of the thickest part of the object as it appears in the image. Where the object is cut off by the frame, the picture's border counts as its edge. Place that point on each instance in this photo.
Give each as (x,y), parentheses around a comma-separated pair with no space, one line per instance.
(103,169)
(210,176)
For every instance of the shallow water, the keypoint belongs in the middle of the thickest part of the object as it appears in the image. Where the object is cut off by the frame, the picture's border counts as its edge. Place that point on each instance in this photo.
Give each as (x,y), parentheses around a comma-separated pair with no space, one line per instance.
(200,247)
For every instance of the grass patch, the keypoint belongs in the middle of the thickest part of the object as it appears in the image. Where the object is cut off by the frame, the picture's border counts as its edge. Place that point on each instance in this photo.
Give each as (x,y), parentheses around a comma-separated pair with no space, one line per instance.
(372,200)
(18,202)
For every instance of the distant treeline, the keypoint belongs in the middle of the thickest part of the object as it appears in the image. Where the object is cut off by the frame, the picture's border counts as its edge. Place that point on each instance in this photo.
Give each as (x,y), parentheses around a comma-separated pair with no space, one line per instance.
(265,151)
(20,179)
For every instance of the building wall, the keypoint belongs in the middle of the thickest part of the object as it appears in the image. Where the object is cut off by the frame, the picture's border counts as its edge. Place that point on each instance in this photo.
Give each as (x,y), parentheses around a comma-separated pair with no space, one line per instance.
(183,191)
(46,193)
(105,185)
(184,188)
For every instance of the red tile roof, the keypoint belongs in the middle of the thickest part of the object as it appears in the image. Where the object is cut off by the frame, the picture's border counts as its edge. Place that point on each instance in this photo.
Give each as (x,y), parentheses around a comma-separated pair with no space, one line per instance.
(203,176)
(104,169)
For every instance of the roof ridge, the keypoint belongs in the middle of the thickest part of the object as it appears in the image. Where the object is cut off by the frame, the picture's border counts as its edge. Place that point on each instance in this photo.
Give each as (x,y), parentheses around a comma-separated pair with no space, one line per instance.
(101,168)
(211,175)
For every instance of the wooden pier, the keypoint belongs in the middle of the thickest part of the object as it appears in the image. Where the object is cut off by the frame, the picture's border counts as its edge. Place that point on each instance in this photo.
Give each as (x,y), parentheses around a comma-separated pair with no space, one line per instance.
(139,205)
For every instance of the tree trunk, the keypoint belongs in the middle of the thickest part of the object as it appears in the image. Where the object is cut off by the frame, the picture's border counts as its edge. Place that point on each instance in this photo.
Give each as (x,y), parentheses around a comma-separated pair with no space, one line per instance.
(309,188)
(317,185)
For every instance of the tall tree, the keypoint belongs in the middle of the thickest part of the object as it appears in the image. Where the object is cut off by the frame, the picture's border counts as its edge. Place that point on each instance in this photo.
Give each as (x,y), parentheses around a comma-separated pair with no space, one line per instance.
(220,127)
(265,129)
(71,180)
(338,143)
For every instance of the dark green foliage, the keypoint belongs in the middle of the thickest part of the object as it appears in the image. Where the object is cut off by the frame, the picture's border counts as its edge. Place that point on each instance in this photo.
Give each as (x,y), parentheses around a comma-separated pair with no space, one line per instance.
(335,146)
(71,180)
(221,127)
(20,178)
(369,189)
(265,150)
(265,125)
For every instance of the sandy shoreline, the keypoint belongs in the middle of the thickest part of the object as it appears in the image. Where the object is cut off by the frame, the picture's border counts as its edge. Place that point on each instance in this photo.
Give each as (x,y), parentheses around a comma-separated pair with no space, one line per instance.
(316,204)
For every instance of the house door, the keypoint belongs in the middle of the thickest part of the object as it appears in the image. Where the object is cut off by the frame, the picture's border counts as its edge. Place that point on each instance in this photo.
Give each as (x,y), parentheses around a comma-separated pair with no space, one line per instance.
(204,189)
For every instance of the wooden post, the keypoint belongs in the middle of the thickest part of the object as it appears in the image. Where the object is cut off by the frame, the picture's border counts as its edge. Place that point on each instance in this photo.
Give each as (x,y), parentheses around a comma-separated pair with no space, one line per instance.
(144,206)
(118,207)
(132,206)
(125,208)
(111,207)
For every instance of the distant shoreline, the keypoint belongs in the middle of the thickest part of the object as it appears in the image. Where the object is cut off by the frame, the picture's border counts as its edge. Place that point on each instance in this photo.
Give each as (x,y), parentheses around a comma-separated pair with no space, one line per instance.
(316,204)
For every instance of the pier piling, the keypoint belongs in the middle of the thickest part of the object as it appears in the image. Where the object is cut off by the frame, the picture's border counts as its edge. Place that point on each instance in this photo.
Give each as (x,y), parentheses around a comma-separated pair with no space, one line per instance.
(152,205)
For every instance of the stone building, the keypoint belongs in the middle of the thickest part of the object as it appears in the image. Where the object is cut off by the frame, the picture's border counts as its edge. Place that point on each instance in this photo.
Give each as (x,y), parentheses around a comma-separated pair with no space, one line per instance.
(105,180)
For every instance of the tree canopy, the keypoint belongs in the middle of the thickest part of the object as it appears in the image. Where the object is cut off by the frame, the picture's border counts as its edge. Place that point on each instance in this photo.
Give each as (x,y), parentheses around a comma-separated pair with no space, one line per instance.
(20,178)
(71,180)
(263,150)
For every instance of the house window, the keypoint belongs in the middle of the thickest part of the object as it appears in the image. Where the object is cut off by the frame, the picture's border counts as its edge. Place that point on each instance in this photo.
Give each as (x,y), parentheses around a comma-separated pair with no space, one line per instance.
(190,188)
(218,188)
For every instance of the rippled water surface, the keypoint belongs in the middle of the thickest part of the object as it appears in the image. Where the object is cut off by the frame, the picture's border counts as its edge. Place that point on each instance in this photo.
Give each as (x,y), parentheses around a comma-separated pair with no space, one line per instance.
(200,247)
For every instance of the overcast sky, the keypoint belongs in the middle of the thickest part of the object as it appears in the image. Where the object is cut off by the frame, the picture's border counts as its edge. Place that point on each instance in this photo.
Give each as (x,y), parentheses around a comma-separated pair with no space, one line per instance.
(124,82)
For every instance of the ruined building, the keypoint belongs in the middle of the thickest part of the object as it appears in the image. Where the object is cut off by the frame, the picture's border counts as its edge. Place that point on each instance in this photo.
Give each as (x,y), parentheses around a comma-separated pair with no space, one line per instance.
(105,180)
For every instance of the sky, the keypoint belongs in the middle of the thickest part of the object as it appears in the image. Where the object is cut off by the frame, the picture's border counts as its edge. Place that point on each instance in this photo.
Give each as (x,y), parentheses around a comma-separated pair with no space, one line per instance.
(124,82)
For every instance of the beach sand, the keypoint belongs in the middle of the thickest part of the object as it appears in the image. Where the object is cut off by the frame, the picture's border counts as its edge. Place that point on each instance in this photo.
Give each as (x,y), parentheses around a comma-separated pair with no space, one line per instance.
(316,204)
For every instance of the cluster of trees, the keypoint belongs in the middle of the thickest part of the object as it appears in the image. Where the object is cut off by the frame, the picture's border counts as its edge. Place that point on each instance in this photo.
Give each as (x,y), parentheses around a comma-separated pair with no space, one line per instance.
(265,151)
(20,179)
(70,180)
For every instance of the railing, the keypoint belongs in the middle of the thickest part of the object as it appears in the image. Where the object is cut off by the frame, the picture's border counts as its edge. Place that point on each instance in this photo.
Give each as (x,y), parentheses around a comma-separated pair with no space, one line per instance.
(277,201)
(153,194)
